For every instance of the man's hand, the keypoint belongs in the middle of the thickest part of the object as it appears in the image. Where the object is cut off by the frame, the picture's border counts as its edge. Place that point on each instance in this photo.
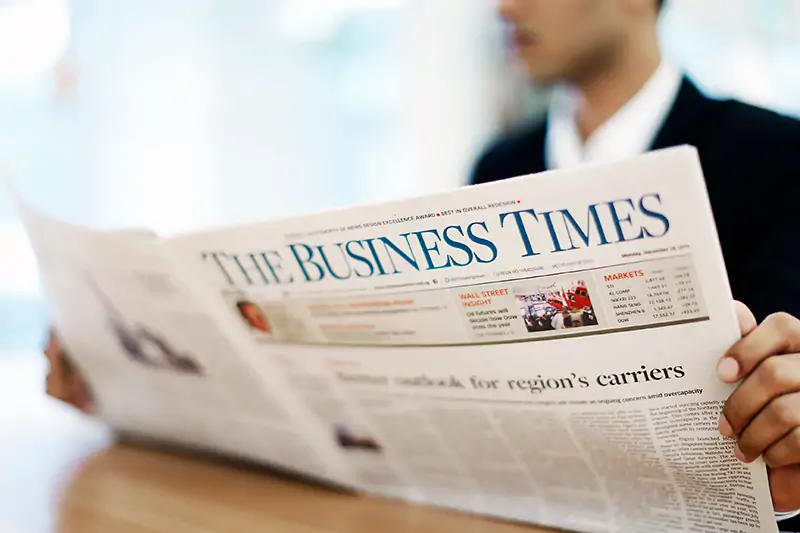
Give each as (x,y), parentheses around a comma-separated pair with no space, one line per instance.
(763,413)
(63,380)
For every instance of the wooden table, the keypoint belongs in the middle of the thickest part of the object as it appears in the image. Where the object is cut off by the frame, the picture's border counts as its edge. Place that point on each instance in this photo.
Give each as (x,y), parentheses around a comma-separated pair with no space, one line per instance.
(60,471)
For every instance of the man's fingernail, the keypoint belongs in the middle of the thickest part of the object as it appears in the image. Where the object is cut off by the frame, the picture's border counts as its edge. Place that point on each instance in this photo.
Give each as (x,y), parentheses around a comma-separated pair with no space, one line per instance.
(725,428)
(728,369)
(738,453)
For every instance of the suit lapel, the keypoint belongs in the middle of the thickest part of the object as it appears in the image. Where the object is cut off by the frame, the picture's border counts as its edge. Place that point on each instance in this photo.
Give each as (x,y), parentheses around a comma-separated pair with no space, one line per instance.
(537,149)
(685,121)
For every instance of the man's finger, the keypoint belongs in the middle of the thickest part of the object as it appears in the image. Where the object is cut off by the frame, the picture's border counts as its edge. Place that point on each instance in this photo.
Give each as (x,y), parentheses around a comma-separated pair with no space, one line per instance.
(81,398)
(785,452)
(747,321)
(62,382)
(774,377)
(780,417)
(784,484)
(55,373)
(778,334)
(54,385)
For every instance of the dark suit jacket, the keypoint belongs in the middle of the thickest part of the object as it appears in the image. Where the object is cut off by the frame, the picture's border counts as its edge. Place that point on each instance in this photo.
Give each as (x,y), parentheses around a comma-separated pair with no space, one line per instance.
(751,161)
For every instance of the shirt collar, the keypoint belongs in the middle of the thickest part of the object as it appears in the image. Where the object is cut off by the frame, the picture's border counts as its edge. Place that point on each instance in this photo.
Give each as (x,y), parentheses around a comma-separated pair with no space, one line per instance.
(629,132)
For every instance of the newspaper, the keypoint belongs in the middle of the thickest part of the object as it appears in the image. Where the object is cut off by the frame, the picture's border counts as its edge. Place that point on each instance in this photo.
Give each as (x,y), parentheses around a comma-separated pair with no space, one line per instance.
(541,349)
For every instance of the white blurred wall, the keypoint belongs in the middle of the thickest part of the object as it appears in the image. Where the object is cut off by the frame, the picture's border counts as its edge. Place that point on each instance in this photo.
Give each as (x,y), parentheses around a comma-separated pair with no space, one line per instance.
(187,113)
(748,49)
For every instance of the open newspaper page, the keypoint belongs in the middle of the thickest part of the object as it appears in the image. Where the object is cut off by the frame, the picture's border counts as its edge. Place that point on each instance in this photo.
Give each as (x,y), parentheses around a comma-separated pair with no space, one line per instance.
(541,349)
(156,361)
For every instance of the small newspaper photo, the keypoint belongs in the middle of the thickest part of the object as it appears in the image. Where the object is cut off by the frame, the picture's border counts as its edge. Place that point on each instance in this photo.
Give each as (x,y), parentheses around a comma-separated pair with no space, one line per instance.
(541,349)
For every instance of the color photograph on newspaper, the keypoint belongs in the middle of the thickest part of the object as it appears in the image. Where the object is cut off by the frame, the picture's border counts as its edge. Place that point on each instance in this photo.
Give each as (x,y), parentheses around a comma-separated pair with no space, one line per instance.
(252,314)
(266,320)
(552,306)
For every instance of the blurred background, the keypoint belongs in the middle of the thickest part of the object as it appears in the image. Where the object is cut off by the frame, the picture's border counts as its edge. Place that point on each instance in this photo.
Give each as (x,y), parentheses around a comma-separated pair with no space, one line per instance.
(183,114)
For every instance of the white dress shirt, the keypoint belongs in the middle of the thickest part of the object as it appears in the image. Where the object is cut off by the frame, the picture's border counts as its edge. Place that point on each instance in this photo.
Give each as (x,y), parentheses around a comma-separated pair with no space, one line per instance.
(629,132)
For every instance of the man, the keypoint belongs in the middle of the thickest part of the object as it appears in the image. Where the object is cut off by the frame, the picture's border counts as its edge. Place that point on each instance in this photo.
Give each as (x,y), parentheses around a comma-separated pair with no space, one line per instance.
(615,97)
(618,99)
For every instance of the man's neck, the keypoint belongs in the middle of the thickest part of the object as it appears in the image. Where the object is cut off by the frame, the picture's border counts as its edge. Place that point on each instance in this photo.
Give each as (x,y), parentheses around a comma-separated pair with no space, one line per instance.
(603,94)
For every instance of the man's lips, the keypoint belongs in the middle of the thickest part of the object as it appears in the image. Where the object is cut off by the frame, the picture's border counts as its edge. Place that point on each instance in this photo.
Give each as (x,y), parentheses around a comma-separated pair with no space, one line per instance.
(520,39)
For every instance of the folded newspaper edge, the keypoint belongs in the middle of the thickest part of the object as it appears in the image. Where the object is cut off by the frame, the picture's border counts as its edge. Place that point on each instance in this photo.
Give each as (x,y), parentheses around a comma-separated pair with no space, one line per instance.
(540,349)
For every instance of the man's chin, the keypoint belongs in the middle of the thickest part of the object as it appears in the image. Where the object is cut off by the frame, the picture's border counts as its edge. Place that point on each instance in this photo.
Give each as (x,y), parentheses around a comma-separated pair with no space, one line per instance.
(541,80)
(539,76)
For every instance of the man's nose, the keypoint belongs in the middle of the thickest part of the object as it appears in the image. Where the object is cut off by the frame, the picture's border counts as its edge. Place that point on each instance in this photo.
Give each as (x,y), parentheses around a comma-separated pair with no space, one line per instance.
(507,9)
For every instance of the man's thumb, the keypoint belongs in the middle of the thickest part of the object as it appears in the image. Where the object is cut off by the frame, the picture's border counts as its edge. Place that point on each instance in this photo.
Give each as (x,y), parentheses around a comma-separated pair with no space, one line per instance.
(747,321)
